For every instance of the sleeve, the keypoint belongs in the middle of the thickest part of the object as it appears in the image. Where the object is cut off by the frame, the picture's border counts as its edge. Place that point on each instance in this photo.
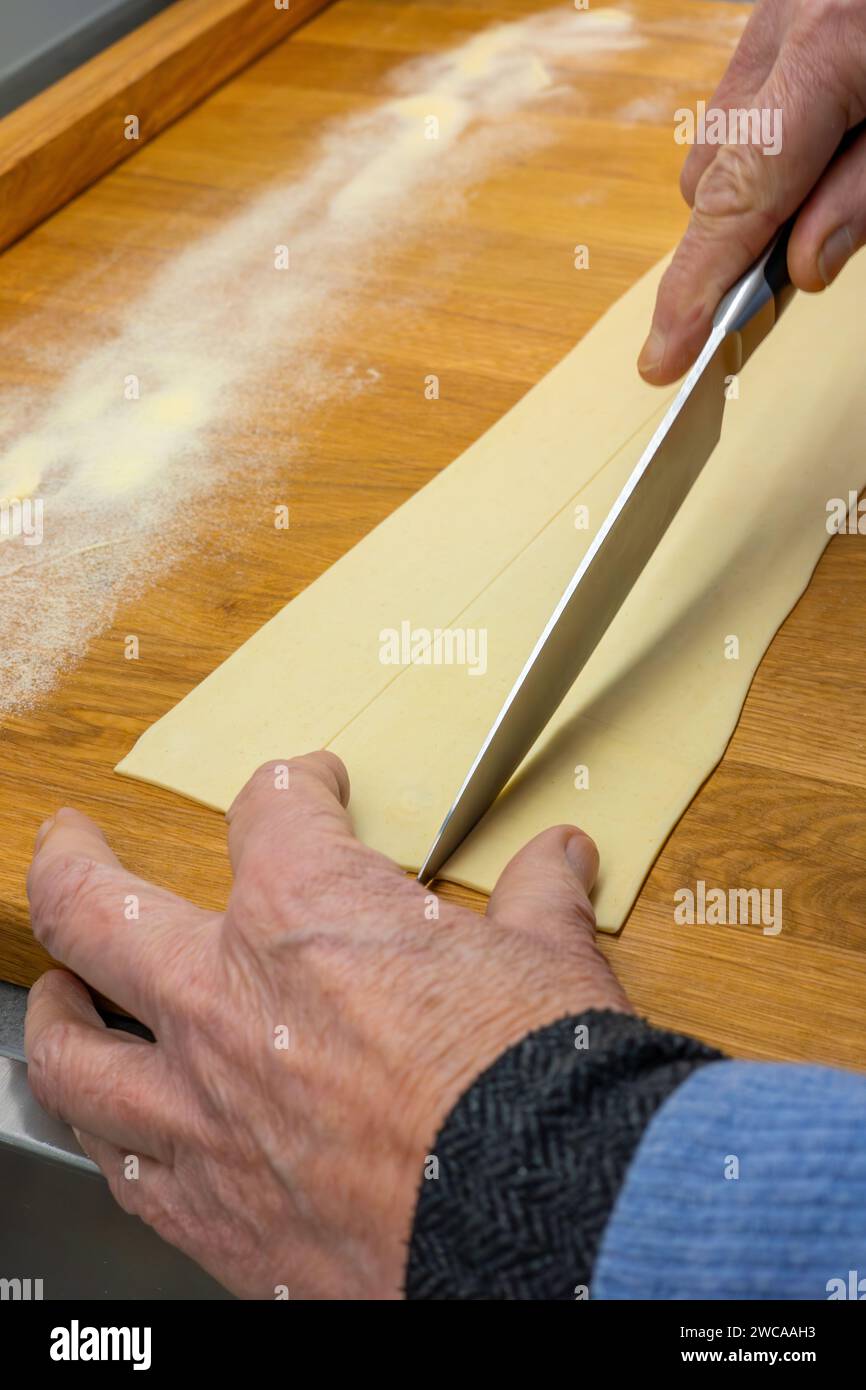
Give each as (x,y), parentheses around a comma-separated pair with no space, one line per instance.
(749,1183)
(528,1165)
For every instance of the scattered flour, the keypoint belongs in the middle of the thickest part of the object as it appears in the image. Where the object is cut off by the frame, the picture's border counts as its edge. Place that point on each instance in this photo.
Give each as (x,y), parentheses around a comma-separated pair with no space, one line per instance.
(648,110)
(126,448)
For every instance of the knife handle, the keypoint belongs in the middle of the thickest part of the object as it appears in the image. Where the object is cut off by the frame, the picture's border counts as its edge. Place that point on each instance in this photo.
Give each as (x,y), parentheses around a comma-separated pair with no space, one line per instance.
(758,299)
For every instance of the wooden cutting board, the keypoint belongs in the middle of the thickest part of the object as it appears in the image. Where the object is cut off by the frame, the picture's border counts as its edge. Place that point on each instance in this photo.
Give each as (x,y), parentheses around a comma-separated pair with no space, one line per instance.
(490,308)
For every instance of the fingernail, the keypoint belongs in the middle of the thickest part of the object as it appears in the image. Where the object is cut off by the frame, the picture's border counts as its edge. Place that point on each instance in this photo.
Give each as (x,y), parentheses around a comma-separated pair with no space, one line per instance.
(43,831)
(837,249)
(582,857)
(652,352)
(575,853)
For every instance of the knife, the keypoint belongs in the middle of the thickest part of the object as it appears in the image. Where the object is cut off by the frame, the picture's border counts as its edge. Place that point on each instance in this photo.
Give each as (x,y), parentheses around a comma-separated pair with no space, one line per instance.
(632,529)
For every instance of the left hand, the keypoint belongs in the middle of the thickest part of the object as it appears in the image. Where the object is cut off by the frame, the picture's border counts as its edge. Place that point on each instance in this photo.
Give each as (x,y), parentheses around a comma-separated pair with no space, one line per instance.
(297,1165)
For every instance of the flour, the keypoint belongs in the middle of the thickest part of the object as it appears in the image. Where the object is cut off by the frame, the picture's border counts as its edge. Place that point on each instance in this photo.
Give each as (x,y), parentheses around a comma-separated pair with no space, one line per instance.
(649,110)
(127,447)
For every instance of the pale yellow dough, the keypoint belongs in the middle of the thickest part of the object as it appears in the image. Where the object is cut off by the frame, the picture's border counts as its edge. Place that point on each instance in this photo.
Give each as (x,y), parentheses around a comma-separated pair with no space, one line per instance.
(491,543)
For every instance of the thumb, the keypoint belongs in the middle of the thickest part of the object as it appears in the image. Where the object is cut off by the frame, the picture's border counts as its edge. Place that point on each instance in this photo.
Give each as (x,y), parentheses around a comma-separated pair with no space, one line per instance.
(832,225)
(546,886)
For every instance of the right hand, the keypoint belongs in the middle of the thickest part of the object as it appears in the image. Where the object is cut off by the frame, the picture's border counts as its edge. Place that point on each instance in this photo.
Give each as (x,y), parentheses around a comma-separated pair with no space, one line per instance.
(806,58)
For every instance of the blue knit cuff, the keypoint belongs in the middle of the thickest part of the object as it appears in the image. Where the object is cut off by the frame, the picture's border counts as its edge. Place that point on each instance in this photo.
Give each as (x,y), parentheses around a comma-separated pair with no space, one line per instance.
(749,1183)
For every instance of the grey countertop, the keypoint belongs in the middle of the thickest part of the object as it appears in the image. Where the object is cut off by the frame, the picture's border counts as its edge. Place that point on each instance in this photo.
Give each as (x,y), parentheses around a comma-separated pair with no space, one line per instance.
(43,40)
(13,1005)
(13,1002)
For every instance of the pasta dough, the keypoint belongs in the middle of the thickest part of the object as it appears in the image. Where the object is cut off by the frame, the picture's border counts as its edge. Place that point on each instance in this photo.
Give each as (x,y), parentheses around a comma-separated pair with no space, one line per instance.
(488,546)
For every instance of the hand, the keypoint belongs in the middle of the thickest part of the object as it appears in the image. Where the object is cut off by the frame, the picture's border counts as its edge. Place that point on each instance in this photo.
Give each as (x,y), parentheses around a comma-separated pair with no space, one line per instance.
(298,1165)
(806,58)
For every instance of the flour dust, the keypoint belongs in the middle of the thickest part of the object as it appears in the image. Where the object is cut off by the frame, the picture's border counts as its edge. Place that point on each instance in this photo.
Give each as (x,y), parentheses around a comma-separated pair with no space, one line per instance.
(124,452)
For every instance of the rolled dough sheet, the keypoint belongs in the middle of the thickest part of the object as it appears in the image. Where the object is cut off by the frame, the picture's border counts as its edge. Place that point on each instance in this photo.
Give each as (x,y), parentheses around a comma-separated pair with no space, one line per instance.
(488,546)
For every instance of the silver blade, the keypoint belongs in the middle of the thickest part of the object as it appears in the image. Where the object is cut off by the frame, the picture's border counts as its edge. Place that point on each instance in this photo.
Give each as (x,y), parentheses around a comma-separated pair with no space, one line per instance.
(624,543)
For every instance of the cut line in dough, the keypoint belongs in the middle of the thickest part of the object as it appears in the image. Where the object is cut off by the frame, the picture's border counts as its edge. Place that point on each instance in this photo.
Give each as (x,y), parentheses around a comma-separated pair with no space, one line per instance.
(488,547)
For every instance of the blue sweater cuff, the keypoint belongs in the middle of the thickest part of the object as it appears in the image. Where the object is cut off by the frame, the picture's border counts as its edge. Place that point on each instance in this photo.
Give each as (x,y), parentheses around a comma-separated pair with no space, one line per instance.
(748,1183)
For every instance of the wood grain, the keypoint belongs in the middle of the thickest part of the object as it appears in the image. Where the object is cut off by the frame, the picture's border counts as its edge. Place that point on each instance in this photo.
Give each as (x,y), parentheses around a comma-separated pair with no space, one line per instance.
(489,300)
(60,141)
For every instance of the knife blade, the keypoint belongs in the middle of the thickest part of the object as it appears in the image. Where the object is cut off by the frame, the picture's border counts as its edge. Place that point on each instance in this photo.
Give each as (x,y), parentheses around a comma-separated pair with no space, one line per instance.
(628,536)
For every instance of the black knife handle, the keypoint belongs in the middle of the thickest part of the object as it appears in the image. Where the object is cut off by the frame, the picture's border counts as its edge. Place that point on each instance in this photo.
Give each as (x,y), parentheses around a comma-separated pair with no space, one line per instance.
(758,299)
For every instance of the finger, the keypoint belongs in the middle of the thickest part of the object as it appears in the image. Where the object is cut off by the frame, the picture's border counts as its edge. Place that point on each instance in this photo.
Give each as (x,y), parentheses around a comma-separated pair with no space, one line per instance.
(91,1077)
(546,886)
(295,855)
(113,929)
(832,225)
(741,201)
(133,1184)
(289,800)
(747,72)
(545,890)
(152,1192)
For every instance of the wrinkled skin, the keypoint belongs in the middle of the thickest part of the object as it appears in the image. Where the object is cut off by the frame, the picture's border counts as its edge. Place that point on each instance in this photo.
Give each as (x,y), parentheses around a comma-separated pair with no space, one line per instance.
(808,59)
(298,1166)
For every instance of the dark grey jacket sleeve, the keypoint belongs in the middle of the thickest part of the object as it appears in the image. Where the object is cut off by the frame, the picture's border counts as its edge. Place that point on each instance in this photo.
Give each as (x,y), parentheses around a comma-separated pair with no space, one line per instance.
(531,1159)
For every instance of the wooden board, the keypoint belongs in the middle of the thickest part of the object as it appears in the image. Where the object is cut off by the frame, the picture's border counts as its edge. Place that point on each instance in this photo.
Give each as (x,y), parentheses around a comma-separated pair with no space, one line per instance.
(489,306)
(59,142)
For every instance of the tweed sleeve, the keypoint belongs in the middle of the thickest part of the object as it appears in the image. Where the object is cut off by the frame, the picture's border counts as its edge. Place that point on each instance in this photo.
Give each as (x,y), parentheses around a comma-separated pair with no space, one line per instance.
(525,1170)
